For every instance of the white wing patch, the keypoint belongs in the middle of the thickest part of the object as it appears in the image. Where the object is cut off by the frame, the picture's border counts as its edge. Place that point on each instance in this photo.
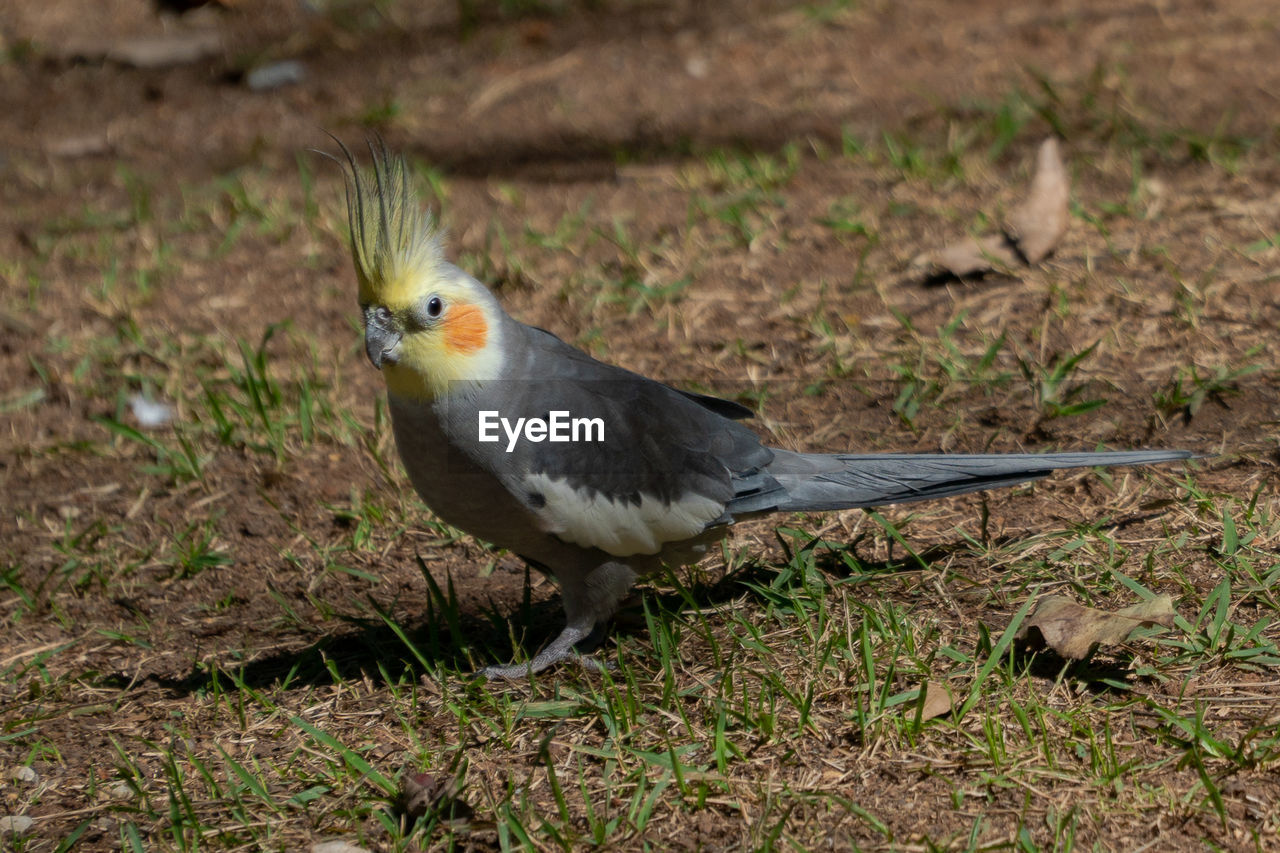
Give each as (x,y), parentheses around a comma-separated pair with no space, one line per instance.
(619,527)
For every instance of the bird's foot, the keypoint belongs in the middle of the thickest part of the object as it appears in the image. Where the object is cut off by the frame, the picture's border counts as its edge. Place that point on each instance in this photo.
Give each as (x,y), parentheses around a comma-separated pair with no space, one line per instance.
(573,640)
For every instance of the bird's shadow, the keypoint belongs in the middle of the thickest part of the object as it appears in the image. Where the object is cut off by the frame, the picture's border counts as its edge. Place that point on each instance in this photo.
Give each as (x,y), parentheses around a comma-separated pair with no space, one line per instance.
(381,648)
(444,637)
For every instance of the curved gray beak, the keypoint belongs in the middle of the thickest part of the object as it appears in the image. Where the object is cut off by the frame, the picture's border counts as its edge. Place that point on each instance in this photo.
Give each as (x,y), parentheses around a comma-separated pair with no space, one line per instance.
(380,344)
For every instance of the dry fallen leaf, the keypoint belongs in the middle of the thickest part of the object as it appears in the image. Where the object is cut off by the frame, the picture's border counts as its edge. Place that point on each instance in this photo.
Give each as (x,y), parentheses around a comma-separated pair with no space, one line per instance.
(974,255)
(1074,631)
(153,51)
(89,145)
(424,793)
(16,825)
(1038,224)
(337,847)
(938,700)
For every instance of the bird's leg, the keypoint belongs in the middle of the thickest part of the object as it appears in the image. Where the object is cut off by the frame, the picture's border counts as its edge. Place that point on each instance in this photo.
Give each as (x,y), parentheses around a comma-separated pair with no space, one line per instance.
(561,648)
(590,598)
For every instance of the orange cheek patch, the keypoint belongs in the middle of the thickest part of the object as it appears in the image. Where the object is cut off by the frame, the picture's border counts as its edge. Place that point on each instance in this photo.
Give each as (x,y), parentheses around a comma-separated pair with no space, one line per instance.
(465,329)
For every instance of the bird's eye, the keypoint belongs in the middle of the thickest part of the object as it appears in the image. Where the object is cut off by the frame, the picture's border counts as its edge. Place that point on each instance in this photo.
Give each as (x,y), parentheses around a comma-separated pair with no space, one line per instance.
(435,307)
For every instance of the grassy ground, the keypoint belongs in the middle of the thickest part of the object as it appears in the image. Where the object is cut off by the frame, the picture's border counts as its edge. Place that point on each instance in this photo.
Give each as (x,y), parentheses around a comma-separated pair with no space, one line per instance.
(242,630)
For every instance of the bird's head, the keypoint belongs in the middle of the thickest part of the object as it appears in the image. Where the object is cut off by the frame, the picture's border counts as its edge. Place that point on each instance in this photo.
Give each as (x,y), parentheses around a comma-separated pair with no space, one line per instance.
(426,323)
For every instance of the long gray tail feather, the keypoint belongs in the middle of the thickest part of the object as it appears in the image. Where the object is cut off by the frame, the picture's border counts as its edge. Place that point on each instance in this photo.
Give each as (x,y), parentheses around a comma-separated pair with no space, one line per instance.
(803,482)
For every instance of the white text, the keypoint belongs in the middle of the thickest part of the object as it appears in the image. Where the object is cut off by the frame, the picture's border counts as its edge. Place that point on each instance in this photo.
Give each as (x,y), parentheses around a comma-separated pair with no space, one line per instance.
(558,426)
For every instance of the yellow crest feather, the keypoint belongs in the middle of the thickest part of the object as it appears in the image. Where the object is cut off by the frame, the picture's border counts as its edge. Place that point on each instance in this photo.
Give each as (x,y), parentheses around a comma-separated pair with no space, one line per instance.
(394,240)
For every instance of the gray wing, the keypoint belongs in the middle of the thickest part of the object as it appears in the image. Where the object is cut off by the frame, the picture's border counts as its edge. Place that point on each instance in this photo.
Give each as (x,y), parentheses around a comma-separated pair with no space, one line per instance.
(660,467)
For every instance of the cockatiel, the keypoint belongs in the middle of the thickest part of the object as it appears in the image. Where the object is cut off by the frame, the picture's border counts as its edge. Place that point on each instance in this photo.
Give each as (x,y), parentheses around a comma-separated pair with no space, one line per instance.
(605,474)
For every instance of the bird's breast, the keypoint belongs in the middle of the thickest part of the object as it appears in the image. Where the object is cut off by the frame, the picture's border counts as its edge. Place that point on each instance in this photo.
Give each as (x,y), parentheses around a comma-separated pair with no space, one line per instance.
(445,473)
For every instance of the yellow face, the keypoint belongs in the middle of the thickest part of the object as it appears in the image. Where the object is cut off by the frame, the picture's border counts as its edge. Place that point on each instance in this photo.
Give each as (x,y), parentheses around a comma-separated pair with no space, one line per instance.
(426,324)
(424,335)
